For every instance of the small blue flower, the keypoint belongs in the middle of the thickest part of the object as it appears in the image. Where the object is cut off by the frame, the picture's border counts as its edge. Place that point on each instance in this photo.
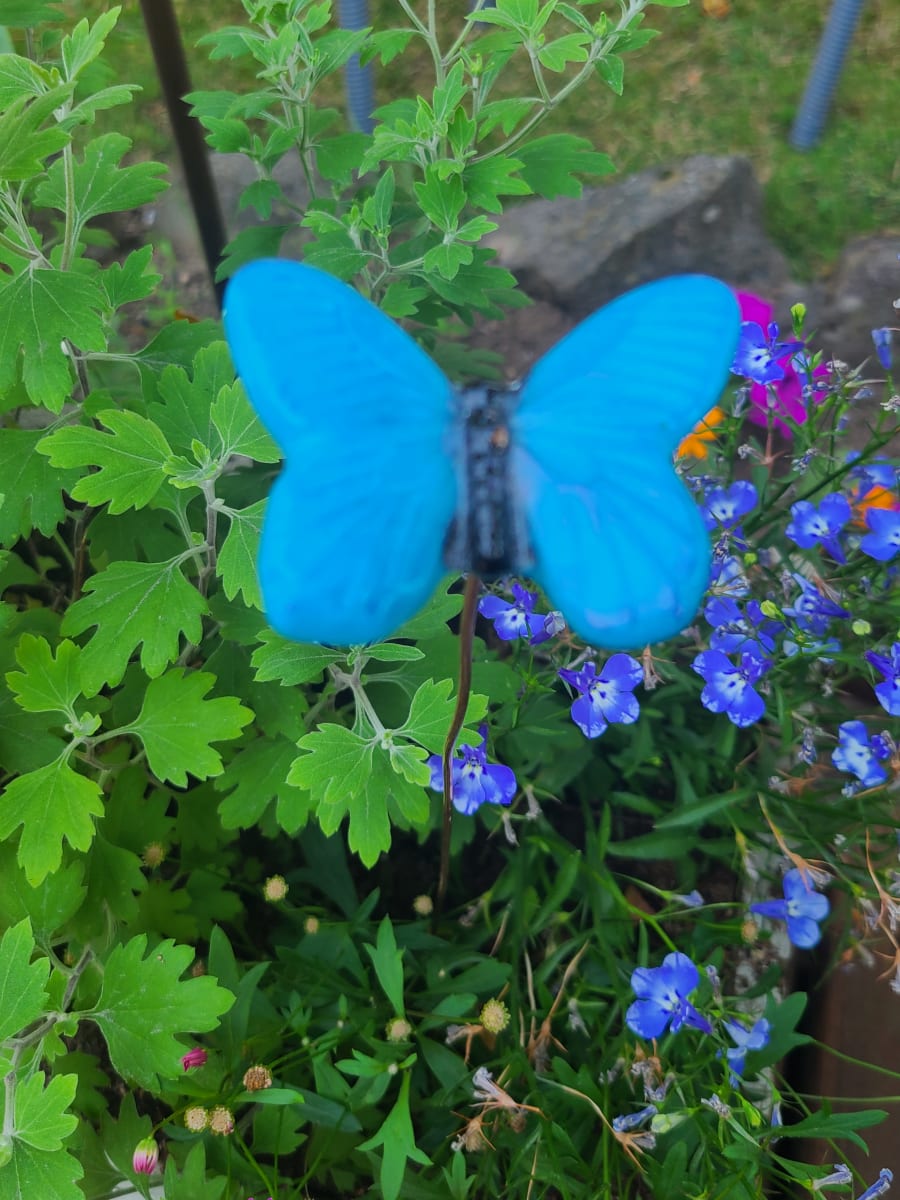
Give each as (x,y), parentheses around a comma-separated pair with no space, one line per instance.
(859,754)
(662,997)
(802,908)
(745,1039)
(734,631)
(888,692)
(474,782)
(841,1174)
(882,339)
(757,354)
(605,698)
(729,688)
(629,1121)
(810,526)
(812,610)
(884,540)
(881,1185)
(727,577)
(724,507)
(518,620)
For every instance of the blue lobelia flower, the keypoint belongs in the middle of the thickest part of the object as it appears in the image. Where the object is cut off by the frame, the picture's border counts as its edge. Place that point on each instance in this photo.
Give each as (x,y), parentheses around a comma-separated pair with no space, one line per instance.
(757,353)
(745,1039)
(724,507)
(802,908)
(882,339)
(629,1121)
(884,540)
(474,780)
(859,754)
(727,577)
(735,631)
(606,698)
(662,997)
(810,526)
(518,620)
(888,692)
(393,476)
(881,1185)
(729,687)
(812,610)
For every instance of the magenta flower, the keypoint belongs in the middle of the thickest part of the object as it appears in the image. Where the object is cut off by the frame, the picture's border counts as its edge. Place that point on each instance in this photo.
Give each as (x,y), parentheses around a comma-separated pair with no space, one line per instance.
(145,1157)
(194,1058)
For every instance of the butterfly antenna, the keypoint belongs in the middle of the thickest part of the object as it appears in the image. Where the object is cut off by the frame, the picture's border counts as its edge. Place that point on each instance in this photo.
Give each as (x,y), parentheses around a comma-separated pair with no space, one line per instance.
(466,637)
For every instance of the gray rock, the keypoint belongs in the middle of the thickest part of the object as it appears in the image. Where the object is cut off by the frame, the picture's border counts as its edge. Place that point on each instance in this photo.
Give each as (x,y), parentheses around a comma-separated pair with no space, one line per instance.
(859,298)
(703,214)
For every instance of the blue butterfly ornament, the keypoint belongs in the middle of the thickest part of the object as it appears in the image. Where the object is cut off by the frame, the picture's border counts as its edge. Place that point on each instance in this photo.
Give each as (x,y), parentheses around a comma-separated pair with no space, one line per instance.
(393,476)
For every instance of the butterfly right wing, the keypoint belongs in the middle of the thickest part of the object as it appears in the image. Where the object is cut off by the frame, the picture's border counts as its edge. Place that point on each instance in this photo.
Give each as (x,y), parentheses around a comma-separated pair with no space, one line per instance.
(618,541)
(354,528)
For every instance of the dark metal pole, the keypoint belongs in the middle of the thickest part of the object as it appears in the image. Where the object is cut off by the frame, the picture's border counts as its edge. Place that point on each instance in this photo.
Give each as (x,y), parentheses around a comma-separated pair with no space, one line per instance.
(172,68)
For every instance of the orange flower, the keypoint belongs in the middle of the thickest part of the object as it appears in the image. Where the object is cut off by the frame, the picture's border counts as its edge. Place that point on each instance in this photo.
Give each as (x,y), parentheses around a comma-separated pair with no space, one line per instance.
(875,497)
(704,431)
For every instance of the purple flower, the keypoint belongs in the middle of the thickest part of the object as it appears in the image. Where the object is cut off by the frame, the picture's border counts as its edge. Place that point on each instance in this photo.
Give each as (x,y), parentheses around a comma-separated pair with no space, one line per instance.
(729,688)
(810,526)
(812,610)
(881,1185)
(735,631)
(662,994)
(605,698)
(884,540)
(724,507)
(882,339)
(629,1121)
(888,692)
(859,755)
(474,782)
(745,1039)
(516,620)
(757,354)
(802,908)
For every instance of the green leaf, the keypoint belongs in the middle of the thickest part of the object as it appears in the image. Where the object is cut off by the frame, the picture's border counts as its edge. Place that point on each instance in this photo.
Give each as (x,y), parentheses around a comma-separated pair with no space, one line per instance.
(41,1119)
(441,608)
(397,1139)
(550,164)
(442,200)
(393,652)
(447,258)
(431,712)
(32,488)
(369,830)
(130,459)
(236,564)
(388,963)
(45,683)
(25,14)
(557,55)
(144,1002)
(52,803)
(133,604)
(611,69)
(23,144)
(338,158)
(256,776)
(101,184)
(133,279)
(383,201)
(22,994)
(486,181)
(20,76)
(86,41)
(335,766)
(186,416)
(39,310)
(240,428)
(49,906)
(192,1183)
(25,741)
(177,725)
(291,662)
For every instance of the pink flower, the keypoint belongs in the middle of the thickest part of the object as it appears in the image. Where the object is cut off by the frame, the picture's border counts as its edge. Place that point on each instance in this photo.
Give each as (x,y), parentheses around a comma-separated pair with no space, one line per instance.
(789,390)
(145,1157)
(193,1058)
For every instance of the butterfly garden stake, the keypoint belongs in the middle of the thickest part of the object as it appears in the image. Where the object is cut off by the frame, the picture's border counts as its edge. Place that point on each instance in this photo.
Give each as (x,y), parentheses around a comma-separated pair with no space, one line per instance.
(393,476)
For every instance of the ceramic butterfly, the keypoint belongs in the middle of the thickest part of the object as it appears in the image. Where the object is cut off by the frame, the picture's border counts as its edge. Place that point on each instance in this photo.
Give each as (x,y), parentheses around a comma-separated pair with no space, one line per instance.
(393,476)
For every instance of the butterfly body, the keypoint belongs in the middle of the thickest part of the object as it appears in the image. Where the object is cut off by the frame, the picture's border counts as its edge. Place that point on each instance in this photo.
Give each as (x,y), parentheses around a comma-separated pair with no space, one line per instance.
(392,476)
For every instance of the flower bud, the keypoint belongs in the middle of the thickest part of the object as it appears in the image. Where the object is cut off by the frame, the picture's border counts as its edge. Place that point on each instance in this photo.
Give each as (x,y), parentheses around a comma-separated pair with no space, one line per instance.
(145,1157)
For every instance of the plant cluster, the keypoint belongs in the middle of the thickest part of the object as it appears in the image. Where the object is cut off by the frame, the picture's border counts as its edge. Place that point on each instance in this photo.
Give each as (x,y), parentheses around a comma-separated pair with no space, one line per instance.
(220,965)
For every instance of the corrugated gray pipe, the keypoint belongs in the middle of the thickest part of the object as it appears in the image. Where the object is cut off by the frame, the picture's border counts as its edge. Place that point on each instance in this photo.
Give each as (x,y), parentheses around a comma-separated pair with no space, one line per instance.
(825,73)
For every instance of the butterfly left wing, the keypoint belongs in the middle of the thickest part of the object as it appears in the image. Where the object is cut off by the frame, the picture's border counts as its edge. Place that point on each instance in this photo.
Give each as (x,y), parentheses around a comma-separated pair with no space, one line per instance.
(618,542)
(354,527)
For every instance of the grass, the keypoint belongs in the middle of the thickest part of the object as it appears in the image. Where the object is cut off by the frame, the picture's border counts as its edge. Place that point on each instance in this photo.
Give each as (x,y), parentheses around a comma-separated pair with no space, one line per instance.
(706,85)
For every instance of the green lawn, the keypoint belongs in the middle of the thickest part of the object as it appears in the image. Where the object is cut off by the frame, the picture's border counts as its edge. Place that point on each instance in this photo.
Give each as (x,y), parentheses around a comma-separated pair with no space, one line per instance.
(705,85)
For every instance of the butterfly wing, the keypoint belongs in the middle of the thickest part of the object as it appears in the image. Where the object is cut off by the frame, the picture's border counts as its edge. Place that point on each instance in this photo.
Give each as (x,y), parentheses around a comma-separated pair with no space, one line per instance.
(618,540)
(354,527)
